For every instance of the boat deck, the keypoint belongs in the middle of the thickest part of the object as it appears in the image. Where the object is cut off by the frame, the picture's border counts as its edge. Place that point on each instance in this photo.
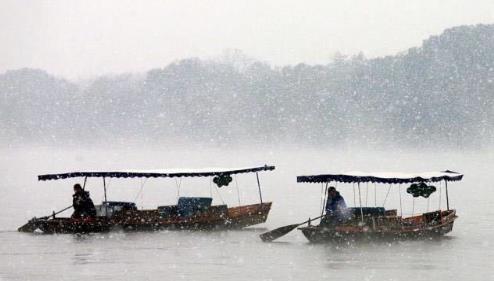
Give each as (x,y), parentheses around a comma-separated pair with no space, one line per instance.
(389,227)
(217,217)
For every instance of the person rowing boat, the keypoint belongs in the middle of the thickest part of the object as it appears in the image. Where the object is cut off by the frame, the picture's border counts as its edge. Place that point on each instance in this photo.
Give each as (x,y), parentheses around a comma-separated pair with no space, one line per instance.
(82,203)
(336,209)
(190,213)
(361,221)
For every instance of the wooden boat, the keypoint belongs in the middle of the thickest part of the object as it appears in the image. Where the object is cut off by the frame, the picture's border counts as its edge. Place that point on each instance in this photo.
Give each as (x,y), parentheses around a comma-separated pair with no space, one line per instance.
(195,213)
(369,223)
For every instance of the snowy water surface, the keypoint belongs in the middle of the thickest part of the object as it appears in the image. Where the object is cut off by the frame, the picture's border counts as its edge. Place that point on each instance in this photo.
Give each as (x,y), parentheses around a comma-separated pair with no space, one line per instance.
(465,254)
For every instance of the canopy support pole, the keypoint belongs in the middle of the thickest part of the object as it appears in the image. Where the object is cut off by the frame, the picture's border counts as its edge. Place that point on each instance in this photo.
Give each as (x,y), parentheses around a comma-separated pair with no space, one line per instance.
(106,202)
(366,193)
(354,200)
(360,202)
(324,199)
(321,199)
(104,187)
(84,184)
(447,198)
(259,186)
(399,192)
(375,195)
(440,194)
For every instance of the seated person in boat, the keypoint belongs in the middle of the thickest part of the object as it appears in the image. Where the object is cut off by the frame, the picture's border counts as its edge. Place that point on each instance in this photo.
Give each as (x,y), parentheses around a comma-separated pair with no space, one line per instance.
(82,203)
(336,210)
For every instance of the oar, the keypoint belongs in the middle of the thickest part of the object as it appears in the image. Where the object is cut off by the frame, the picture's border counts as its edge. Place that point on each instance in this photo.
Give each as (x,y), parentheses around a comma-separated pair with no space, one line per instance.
(54,214)
(281,231)
(31,225)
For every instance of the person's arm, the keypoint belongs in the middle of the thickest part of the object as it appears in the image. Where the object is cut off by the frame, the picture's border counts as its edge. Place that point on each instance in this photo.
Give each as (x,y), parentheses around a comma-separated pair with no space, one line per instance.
(328,206)
(342,204)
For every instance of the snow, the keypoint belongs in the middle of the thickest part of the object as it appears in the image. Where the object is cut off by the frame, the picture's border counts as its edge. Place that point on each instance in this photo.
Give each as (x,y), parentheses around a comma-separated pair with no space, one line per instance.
(203,172)
(383,177)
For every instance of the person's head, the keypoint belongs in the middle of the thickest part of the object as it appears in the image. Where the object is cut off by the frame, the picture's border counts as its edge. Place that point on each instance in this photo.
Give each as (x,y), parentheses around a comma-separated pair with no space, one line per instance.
(77,187)
(332,191)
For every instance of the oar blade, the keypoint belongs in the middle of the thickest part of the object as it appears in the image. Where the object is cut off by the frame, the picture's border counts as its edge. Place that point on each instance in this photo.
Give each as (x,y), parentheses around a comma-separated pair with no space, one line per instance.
(277,233)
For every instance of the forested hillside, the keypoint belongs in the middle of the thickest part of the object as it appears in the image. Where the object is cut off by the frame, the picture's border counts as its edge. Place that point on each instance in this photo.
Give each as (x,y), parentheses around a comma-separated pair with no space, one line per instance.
(439,93)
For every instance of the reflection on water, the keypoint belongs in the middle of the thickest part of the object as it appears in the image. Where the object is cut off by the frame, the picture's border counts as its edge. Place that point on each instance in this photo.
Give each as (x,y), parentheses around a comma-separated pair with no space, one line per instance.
(83,258)
(466,254)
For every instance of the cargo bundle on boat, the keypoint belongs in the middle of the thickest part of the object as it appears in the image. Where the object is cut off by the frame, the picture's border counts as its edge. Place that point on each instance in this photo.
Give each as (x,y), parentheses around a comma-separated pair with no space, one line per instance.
(364,222)
(196,213)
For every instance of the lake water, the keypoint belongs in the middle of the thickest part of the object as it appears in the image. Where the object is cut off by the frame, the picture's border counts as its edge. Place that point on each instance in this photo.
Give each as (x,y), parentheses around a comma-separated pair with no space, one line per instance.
(465,254)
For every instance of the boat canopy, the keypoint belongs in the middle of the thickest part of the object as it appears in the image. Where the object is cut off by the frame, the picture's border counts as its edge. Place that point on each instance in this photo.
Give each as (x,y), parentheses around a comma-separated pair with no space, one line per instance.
(358,177)
(206,172)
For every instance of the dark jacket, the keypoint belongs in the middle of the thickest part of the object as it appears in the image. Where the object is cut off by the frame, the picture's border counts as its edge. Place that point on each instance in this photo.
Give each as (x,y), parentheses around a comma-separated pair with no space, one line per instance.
(83,205)
(336,206)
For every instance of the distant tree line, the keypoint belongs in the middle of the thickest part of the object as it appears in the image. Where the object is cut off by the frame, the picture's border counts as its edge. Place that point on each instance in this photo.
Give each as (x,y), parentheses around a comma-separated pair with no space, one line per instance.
(439,93)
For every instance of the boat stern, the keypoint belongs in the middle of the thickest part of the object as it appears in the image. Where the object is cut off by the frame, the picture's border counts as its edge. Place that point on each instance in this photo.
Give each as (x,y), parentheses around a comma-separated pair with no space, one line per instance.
(248,215)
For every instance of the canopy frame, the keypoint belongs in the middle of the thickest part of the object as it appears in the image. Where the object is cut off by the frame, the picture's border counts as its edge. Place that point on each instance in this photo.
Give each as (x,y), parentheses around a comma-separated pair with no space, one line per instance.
(359,177)
(211,172)
(155,173)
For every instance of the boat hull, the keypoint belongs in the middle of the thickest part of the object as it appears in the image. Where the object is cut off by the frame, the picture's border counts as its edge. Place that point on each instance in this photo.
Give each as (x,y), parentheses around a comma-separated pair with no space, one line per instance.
(370,232)
(233,218)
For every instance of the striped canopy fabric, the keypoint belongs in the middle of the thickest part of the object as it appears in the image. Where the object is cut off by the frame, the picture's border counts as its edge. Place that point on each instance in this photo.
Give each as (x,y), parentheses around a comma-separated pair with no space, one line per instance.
(358,177)
(171,173)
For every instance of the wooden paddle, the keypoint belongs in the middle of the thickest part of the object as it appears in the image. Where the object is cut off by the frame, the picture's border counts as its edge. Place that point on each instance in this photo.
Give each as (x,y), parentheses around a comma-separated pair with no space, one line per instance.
(31,225)
(281,231)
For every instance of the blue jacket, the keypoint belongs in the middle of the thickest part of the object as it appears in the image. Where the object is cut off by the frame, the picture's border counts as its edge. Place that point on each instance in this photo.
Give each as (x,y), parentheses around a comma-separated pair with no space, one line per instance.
(336,206)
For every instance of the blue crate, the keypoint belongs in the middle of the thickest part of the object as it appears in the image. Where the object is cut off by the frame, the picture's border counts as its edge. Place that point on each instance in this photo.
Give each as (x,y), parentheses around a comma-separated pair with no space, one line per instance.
(189,206)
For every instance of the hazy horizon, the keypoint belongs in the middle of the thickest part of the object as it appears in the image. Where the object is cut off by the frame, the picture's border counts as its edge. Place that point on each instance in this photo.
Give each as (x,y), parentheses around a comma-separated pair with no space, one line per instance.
(439,94)
(81,40)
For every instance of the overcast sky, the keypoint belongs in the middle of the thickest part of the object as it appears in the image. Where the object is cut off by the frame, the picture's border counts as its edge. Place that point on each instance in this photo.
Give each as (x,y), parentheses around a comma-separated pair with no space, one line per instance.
(80,39)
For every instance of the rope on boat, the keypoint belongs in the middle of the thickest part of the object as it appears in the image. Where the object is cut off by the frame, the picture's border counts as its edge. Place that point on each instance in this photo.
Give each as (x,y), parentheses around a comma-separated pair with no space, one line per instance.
(387,193)
(360,202)
(143,182)
(217,191)
(238,190)
(178,182)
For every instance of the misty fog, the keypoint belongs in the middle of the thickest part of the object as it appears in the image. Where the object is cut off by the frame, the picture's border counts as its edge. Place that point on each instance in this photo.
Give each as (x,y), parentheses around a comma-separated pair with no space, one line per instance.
(439,94)
(280,93)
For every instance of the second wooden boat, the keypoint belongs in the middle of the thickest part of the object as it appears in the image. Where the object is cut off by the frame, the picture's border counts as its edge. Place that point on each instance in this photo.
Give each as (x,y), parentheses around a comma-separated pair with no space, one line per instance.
(370,223)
